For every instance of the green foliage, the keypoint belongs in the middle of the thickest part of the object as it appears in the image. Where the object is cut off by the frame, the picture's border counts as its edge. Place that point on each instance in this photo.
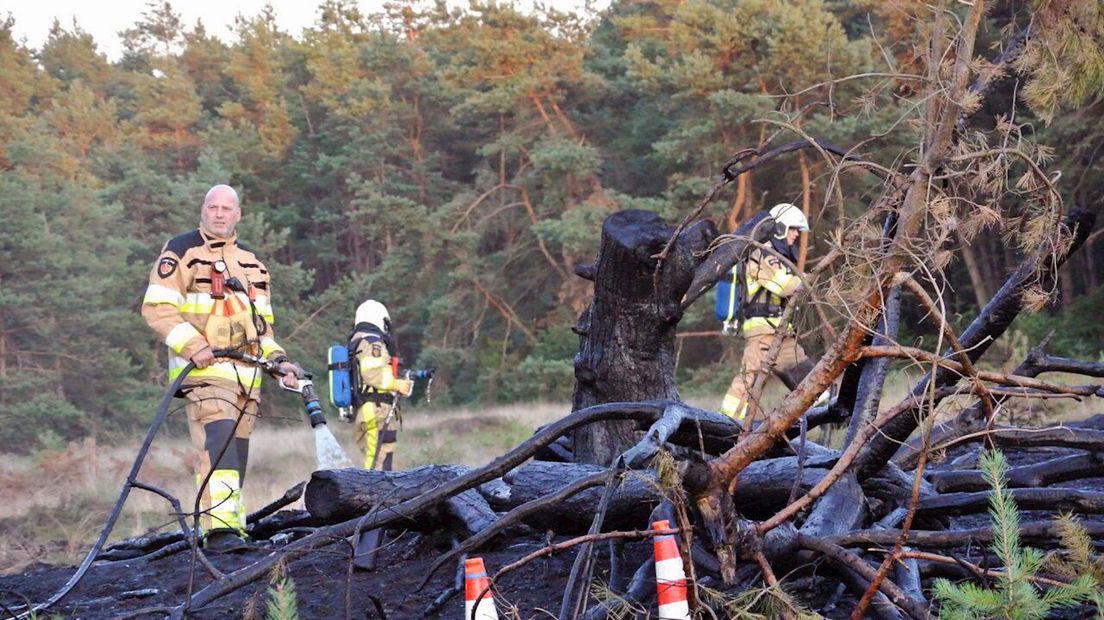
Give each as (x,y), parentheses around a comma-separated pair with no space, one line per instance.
(1074,336)
(1014,596)
(283,603)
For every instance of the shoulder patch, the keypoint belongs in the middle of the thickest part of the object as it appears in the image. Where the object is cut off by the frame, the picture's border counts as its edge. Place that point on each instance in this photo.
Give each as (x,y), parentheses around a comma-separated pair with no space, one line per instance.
(182,243)
(166,266)
(370,343)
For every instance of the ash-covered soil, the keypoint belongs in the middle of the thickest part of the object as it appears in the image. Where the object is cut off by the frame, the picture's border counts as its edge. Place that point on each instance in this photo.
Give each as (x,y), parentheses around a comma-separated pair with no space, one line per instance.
(323,585)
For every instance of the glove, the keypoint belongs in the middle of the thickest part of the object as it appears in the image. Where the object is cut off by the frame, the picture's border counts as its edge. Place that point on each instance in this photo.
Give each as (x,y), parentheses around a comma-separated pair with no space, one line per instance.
(404,386)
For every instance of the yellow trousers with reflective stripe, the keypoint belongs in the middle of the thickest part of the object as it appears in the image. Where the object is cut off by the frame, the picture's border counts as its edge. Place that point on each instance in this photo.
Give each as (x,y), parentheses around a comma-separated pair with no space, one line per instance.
(221,499)
(736,403)
(377,444)
(223,507)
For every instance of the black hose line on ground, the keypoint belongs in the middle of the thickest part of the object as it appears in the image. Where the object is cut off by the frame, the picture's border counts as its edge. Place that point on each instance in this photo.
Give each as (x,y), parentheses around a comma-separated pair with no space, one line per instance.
(162,413)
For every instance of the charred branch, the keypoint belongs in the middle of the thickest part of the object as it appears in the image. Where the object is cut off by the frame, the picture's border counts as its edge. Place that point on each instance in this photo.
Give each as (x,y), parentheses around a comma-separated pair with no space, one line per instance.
(989,325)
(1040,532)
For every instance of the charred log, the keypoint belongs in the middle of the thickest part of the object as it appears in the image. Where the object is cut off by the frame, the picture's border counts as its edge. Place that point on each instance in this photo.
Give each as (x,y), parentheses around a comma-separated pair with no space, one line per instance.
(1062,469)
(1053,499)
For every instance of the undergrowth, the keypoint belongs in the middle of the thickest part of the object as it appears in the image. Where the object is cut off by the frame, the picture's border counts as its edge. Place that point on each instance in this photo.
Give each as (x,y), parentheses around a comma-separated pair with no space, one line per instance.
(1014,595)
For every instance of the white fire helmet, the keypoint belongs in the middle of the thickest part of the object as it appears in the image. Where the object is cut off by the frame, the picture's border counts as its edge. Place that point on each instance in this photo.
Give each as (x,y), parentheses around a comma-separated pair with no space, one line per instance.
(373,313)
(787,216)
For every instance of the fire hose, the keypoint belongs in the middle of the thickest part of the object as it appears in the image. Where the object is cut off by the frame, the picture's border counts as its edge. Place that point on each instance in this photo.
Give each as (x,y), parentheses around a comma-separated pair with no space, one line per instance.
(310,403)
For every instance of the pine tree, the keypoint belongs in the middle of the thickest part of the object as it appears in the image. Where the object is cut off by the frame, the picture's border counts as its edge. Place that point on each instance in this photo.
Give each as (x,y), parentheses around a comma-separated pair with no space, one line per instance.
(1015,595)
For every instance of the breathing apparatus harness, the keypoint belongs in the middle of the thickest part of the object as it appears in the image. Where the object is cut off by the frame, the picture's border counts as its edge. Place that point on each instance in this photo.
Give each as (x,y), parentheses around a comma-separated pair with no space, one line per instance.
(346,392)
(733,303)
(759,305)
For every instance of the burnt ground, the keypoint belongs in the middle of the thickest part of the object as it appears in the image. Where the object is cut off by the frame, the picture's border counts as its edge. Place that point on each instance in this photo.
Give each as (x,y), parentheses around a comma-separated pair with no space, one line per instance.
(113,589)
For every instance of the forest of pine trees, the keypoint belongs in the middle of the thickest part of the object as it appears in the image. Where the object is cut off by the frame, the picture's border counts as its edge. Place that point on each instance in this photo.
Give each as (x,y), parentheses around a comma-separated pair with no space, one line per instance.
(457,163)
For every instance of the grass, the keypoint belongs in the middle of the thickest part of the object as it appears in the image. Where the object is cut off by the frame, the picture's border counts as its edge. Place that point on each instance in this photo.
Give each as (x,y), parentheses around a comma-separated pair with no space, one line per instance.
(56,502)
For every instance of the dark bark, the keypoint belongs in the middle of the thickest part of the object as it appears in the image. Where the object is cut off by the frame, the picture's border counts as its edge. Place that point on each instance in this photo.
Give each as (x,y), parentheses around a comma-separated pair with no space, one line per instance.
(336,494)
(629,507)
(765,486)
(1042,474)
(470,509)
(868,392)
(843,507)
(627,334)
(724,256)
(1054,499)
(841,556)
(989,325)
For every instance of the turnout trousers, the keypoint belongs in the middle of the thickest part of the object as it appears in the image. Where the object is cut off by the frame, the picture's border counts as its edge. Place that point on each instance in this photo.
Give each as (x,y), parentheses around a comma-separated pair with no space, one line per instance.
(220,421)
(735,402)
(376,442)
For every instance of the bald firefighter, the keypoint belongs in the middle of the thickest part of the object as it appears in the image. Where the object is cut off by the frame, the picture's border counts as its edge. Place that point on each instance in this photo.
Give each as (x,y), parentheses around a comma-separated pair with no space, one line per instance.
(770,285)
(208,291)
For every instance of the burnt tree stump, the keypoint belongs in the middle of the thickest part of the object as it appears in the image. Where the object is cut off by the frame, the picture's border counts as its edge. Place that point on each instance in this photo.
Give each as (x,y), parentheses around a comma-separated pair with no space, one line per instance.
(627,334)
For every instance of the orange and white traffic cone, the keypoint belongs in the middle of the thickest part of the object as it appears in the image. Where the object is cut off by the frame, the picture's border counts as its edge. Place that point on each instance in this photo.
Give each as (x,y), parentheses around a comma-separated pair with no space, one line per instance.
(476,582)
(670,576)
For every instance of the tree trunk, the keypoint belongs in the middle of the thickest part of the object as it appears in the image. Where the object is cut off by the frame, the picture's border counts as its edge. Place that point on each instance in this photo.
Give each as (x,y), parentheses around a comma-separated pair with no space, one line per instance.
(977,280)
(806,200)
(627,334)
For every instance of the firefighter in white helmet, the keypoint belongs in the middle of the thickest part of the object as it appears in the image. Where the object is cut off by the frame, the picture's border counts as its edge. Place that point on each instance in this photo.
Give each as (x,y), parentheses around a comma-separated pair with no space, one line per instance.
(373,346)
(376,359)
(770,284)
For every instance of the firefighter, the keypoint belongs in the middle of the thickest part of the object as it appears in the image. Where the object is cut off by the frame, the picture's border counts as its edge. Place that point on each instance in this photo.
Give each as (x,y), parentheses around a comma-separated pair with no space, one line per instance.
(373,347)
(209,291)
(770,284)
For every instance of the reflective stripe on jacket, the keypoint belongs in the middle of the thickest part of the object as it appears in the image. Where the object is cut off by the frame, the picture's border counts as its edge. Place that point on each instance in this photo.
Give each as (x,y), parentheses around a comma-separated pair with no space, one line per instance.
(178,304)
